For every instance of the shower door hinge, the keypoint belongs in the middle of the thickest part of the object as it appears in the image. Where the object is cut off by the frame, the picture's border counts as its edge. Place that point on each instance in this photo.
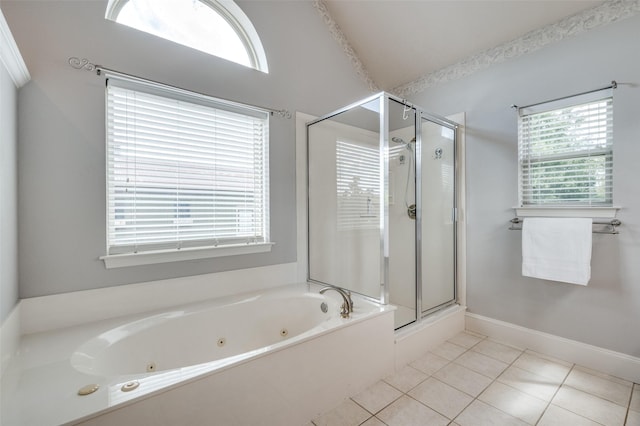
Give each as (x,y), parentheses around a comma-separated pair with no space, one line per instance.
(454,214)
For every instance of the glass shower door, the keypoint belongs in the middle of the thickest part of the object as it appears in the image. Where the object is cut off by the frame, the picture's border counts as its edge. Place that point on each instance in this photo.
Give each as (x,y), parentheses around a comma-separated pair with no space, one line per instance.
(438,214)
(401,212)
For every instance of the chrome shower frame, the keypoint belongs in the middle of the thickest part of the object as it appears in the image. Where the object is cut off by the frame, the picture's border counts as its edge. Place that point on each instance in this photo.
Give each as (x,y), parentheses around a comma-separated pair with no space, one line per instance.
(421,116)
(384,100)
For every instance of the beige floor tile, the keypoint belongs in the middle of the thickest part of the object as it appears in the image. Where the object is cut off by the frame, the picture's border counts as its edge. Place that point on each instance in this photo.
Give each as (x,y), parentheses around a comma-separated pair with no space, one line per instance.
(497,350)
(549,358)
(406,378)
(377,397)
(633,418)
(635,398)
(556,416)
(461,378)
(346,414)
(604,375)
(429,363)
(482,364)
(529,383)
(373,421)
(590,406)
(599,386)
(543,366)
(441,397)
(481,414)
(449,351)
(406,411)
(473,333)
(466,340)
(513,402)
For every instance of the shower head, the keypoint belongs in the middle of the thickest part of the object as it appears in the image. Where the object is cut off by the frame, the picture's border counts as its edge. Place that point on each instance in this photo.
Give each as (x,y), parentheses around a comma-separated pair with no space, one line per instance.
(402,141)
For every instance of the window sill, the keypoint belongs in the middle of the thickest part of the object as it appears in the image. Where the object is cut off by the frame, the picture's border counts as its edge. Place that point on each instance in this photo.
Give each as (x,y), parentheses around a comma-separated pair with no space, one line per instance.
(164,256)
(576,211)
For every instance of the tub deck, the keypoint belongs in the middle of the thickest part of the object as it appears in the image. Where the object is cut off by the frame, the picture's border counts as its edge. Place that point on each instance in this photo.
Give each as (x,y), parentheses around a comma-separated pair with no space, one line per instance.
(40,386)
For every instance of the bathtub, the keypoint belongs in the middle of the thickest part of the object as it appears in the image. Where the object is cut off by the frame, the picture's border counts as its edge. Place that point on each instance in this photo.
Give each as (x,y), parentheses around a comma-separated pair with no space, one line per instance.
(277,357)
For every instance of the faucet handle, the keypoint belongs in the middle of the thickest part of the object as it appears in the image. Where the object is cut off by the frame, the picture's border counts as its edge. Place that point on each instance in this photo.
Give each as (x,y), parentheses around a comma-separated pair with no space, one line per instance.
(350,299)
(344,311)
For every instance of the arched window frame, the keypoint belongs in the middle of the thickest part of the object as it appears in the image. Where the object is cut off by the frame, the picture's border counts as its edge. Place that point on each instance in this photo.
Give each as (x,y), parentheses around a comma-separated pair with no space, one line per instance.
(236,18)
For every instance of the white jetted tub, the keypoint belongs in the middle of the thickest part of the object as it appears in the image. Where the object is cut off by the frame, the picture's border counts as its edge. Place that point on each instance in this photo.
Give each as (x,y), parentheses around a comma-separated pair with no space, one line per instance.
(274,357)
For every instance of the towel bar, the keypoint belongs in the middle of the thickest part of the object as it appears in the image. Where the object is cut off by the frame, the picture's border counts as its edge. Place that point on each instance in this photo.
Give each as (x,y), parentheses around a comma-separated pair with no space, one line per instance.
(600,226)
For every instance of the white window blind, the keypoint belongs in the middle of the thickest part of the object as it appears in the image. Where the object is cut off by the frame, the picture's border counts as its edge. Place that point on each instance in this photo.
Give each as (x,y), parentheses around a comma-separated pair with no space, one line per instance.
(358,185)
(566,152)
(183,170)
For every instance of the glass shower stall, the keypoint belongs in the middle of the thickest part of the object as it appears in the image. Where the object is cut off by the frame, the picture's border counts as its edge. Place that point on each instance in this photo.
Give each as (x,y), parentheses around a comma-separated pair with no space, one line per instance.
(381,181)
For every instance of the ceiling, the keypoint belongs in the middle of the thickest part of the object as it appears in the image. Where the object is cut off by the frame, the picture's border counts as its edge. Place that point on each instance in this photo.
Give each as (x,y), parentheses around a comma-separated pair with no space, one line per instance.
(399,41)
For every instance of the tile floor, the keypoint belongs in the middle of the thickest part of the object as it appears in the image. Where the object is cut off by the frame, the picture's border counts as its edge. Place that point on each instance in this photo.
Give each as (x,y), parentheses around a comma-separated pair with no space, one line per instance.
(471,380)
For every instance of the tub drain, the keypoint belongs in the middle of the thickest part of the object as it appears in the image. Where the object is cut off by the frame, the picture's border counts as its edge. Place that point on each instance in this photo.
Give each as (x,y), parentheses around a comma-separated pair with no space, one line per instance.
(284,332)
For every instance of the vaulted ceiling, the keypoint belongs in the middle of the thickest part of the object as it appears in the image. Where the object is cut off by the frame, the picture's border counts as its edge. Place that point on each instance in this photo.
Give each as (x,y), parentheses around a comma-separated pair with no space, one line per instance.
(399,41)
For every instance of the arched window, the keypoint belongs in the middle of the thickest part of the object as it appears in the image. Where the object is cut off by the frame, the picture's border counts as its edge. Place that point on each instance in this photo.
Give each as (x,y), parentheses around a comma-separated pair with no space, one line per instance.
(217,27)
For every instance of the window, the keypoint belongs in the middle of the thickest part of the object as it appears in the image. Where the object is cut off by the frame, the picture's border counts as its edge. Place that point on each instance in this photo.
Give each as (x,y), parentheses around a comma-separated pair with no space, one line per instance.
(184,171)
(217,27)
(358,185)
(566,152)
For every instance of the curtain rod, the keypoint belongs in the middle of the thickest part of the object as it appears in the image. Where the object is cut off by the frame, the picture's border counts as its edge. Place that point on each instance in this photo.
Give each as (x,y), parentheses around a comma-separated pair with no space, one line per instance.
(86,65)
(613,85)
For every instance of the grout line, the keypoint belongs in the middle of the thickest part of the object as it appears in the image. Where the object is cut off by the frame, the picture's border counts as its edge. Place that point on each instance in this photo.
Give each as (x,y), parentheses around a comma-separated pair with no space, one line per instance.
(377,412)
(492,382)
(626,416)
(566,409)
(554,395)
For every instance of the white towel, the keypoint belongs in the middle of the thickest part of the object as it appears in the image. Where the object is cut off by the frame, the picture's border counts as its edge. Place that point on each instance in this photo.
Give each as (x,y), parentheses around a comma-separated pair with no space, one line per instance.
(557,249)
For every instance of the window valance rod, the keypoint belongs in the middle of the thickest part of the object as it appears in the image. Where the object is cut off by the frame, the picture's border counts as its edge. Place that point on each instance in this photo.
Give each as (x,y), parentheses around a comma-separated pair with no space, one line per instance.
(86,65)
(613,85)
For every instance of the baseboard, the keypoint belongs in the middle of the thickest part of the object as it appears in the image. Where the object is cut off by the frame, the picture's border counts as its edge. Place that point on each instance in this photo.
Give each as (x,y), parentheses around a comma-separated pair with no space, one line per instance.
(610,362)
(68,309)
(9,338)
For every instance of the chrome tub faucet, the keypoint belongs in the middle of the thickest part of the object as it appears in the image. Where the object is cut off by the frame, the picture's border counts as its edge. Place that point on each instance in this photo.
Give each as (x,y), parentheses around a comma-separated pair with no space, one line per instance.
(347,306)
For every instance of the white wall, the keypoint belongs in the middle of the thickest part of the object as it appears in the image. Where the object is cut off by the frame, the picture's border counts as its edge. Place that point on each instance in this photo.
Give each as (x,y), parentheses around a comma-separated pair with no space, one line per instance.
(606,313)
(61,150)
(8,187)
(8,195)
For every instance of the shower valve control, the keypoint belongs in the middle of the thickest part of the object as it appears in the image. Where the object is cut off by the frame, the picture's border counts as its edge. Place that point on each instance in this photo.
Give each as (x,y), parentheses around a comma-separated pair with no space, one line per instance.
(411,211)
